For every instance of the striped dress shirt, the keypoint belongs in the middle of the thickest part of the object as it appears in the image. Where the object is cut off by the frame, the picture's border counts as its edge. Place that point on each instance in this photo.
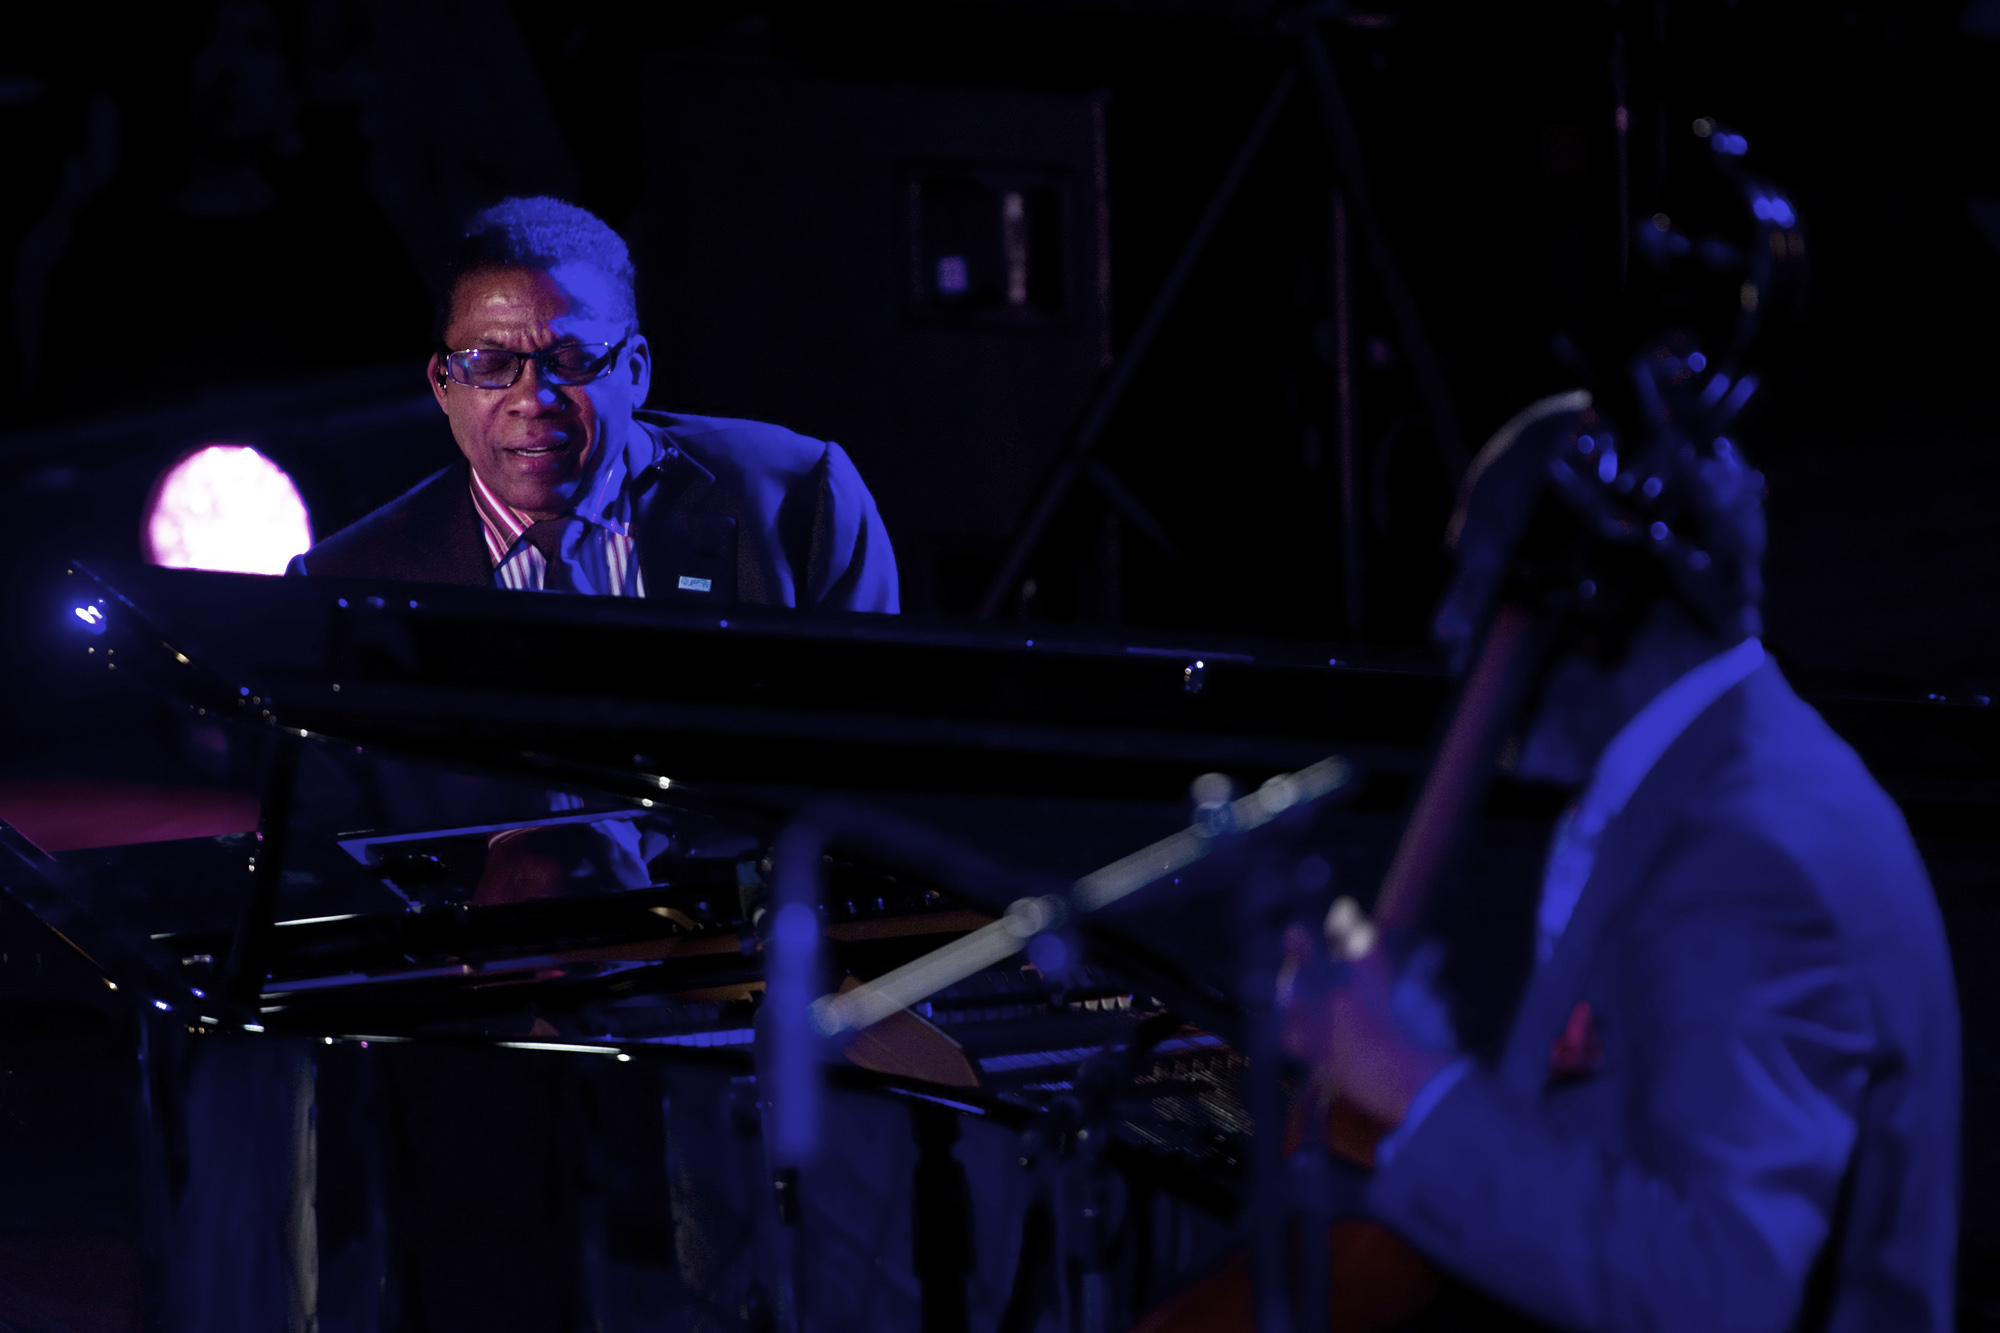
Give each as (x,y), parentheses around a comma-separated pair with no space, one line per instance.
(604,562)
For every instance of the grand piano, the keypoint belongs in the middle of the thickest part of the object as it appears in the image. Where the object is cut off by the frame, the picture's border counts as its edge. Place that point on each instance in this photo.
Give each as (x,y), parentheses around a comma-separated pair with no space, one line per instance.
(496,842)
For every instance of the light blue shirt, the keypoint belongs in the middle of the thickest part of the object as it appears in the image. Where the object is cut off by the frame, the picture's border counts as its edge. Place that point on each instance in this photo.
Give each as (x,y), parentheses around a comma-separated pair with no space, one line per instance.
(1620,769)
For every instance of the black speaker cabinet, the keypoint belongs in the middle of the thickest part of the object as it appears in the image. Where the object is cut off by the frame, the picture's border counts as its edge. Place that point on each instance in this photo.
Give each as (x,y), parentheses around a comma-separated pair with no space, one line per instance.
(920,273)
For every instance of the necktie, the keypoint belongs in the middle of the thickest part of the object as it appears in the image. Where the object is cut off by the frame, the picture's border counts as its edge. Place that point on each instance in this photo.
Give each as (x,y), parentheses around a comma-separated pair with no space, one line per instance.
(547,536)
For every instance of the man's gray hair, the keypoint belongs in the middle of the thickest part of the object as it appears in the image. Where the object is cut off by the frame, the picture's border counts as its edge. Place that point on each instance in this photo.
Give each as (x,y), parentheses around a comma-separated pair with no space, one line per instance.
(540,232)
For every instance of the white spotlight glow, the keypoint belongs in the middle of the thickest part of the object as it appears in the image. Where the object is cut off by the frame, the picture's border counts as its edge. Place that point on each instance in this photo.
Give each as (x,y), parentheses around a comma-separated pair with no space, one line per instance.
(226,507)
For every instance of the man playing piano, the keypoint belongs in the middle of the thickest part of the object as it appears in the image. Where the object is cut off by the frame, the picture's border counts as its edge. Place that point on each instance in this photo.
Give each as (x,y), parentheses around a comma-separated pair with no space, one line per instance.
(570,484)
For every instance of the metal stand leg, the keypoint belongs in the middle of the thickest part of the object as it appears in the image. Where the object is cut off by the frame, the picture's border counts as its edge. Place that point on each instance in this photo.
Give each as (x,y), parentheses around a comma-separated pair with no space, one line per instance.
(1345,148)
(1259,940)
(1312,1203)
(769,1304)
(1342,300)
(1074,461)
(940,1221)
(243,976)
(1094,1313)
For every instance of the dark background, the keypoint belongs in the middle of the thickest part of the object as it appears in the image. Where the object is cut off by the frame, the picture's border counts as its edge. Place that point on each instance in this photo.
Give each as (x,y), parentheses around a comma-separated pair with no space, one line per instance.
(220,224)
(237,218)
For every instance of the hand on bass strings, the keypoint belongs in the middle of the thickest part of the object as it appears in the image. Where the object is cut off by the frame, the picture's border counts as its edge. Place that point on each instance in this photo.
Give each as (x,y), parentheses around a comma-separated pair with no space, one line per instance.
(1340,1020)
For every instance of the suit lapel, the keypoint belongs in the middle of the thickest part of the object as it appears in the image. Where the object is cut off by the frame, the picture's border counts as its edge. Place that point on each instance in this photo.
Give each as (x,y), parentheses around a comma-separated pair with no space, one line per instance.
(1628,847)
(682,547)
(462,556)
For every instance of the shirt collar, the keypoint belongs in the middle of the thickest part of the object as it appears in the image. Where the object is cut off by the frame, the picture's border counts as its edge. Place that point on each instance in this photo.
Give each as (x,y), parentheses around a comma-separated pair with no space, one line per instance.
(1624,764)
(606,500)
(1640,742)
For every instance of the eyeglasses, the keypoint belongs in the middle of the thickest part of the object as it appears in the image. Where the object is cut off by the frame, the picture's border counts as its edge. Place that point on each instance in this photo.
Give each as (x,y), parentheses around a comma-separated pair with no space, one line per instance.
(565,363)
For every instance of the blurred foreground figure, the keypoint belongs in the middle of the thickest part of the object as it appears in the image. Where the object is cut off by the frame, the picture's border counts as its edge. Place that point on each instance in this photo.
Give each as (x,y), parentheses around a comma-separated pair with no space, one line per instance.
(1730,1095)
(570,485)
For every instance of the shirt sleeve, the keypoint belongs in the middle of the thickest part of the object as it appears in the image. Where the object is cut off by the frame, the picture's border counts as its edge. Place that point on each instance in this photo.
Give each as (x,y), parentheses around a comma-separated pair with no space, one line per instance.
(1694,1183)
(852,566)
(1421,1105)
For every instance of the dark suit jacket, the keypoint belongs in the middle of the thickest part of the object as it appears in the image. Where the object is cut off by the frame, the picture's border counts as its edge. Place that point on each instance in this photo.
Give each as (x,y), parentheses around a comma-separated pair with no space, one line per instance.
(1771,1141)
(768,516)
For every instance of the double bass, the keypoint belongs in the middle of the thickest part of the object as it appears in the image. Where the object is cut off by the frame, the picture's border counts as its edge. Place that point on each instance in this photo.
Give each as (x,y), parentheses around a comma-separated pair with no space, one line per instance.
(1564,527)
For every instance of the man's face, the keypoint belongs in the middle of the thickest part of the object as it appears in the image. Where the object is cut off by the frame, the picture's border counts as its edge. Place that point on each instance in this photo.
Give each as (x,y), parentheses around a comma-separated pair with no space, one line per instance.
(1578,711)
(1585,700)
(535,443)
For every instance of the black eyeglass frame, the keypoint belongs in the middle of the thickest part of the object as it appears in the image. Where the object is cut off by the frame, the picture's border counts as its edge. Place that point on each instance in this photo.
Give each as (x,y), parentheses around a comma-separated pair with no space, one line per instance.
(604,365)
